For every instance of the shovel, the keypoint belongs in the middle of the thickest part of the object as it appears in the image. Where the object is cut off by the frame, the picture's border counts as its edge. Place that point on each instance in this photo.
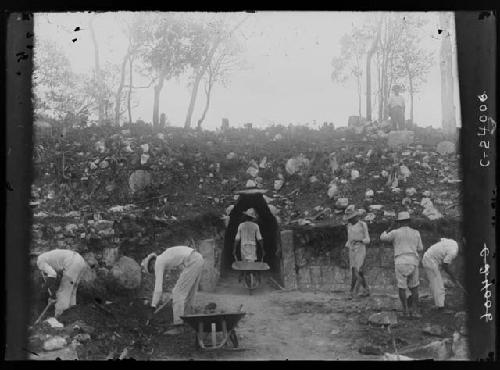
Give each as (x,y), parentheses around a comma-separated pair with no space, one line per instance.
(50,304)
(162,306)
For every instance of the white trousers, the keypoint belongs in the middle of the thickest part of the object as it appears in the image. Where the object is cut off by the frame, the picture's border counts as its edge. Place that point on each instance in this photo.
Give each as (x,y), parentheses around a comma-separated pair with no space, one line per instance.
(185,289)
(435,281)
(66,294)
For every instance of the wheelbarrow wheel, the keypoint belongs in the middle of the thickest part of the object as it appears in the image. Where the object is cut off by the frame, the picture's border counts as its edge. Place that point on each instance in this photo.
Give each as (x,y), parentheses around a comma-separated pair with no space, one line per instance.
(250,280)
(233,338)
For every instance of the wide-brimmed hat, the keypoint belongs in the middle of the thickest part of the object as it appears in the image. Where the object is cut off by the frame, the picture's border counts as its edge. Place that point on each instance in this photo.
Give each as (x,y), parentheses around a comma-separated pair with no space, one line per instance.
(351,214)
(145,262)
(250,213)
(402,216)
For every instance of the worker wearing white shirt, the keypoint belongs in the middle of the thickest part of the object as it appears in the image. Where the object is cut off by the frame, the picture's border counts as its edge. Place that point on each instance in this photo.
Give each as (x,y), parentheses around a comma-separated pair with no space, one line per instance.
(439,255)
(185,289)
(71,265)
(407,245)
(396,105)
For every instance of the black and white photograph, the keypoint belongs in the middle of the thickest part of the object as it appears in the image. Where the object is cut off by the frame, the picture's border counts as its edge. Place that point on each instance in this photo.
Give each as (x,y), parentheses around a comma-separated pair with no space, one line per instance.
(268,185)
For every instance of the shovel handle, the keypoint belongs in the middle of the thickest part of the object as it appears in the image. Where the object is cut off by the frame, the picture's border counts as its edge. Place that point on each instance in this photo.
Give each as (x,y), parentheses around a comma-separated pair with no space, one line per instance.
(51,302)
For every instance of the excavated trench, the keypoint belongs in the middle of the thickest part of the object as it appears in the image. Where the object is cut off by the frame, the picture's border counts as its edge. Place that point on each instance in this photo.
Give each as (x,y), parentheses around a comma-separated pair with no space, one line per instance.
(321,263)
(268,227)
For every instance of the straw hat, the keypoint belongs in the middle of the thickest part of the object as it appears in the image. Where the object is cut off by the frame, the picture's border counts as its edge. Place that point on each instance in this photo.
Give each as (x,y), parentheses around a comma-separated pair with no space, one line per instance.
(145,262)
(402,216)
(350,214)
(250,213)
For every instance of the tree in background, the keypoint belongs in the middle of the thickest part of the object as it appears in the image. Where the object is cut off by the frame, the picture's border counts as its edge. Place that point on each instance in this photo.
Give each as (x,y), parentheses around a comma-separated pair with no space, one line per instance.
(166,50)
(377,30)
(57,91)
(413,61)
(390,45)
(134,30)
(207,37)
(350,62)
(446,64)
(225,61)
(97,78)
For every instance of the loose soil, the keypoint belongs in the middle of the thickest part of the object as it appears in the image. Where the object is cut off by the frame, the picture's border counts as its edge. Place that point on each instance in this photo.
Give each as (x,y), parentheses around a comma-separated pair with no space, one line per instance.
(278,325)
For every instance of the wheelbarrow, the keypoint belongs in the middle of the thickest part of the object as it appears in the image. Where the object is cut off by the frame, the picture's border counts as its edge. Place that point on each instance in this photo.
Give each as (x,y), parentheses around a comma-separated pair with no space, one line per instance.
(214,323)
(251,273)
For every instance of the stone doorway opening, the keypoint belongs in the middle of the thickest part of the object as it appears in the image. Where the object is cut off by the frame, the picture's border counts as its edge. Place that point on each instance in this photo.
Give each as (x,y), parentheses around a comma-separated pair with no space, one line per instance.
(268,228)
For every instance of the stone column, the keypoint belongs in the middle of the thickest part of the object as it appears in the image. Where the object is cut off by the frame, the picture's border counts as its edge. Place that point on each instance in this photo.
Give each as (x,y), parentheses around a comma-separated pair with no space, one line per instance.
(289,277)
(210,274)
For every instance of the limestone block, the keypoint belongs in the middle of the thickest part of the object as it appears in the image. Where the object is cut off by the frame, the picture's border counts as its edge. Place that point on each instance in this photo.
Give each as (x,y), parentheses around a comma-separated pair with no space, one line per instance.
(210,274)
(289,277)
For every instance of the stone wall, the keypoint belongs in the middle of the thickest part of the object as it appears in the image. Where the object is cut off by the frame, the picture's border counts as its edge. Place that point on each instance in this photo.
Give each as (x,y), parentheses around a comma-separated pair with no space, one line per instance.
(315,259)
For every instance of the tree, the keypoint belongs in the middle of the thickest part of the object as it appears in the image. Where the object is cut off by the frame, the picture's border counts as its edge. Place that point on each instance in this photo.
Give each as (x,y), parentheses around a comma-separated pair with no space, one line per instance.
(97,70)
(166,48)
(389,47)
(369,55)
(136,37)
(353,48)
(413,61)
(223,63)
(56,89)
(206,40)
(446,64)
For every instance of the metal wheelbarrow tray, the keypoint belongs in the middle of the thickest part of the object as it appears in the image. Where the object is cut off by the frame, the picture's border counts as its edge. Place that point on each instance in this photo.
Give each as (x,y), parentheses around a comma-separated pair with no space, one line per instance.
(224,323)
(251,272)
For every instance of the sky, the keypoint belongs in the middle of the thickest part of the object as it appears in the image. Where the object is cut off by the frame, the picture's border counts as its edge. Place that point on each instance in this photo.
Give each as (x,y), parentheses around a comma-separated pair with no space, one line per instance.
(287,71)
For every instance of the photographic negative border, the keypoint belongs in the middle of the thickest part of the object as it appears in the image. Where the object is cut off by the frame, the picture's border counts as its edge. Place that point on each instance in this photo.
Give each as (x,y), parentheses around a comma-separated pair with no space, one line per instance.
(476,52)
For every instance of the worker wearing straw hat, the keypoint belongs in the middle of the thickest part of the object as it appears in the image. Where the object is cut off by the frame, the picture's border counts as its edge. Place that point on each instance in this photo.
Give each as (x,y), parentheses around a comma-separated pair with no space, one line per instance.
(249,235)
(407,245)
(357,239)
(184,291)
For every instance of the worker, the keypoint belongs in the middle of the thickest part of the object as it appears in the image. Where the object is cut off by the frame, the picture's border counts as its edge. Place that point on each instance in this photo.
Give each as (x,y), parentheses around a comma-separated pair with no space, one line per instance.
(68,263)
(183,294)
(407,245)
(439,255)
(396,105)
(357,239)
(249,237)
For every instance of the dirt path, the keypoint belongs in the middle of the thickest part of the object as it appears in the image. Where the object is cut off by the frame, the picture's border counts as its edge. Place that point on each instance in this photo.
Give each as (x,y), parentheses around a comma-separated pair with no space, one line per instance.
(282,325)
(278,325)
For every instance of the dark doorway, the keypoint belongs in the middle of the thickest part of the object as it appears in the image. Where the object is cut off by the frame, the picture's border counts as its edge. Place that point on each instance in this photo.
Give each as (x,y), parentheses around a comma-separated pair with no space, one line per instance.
(268,228)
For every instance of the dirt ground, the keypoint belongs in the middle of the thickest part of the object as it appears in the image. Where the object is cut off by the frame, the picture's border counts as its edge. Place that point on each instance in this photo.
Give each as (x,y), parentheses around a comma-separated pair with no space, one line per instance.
(278,325)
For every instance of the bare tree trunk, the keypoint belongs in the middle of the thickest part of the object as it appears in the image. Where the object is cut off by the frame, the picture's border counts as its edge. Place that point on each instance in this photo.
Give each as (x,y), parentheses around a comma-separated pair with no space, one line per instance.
(359,95)
(194,92)
(446,63)
(156,100)
(120,88)
(129,106)
(97,71)
(207,104)
(201,72)
(369,74)
(199,75)
(410,83)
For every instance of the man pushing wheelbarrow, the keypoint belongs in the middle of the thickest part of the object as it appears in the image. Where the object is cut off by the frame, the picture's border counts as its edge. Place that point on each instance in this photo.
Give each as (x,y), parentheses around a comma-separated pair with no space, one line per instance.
(249,237)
